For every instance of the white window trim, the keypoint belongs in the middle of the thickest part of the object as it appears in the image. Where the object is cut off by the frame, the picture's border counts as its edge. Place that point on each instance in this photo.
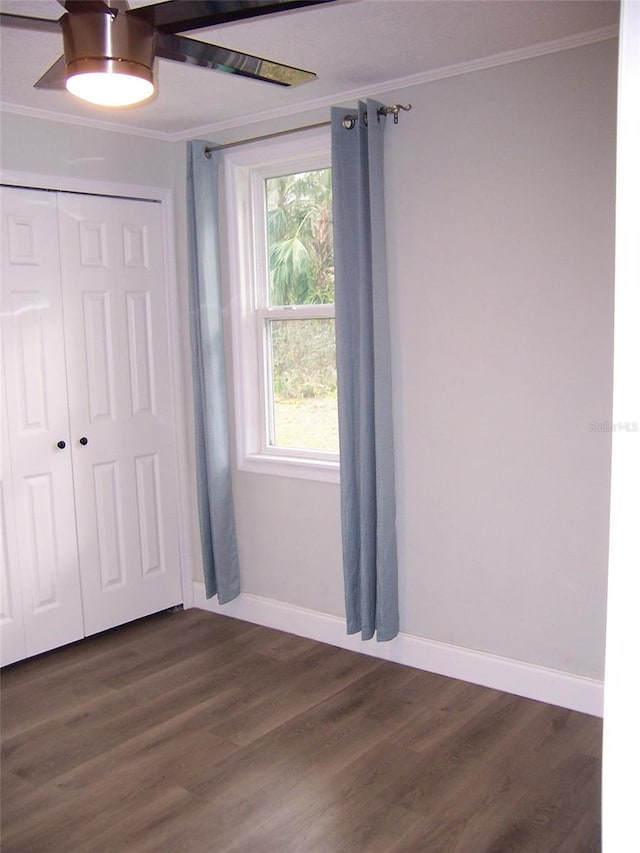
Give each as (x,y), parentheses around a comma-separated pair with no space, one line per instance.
(243,167)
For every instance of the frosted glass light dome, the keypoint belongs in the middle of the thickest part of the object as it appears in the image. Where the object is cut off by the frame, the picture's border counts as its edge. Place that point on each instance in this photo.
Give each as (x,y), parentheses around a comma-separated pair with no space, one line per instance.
(110,89)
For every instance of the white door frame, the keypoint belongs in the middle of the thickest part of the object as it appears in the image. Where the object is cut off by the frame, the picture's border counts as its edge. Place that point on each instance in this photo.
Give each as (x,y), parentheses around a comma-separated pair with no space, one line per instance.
(33,180)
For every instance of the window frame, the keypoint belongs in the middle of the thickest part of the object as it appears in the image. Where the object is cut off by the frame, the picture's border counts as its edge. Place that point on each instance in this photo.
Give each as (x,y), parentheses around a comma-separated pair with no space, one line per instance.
(245,170)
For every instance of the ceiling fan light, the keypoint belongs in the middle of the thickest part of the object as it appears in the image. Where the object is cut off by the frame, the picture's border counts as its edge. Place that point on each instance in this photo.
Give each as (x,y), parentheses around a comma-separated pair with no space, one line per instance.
(99,82)
(108,56)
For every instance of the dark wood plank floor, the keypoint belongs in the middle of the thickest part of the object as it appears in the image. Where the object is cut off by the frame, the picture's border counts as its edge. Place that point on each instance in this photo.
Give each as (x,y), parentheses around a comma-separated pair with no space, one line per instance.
(197,733)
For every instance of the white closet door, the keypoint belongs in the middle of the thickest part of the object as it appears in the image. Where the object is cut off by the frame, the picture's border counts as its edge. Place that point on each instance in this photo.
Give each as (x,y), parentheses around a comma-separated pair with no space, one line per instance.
(40,554)
(120,407)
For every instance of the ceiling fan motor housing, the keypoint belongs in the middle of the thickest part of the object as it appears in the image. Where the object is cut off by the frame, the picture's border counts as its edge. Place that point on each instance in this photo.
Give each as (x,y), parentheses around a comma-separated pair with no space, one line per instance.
(103,41)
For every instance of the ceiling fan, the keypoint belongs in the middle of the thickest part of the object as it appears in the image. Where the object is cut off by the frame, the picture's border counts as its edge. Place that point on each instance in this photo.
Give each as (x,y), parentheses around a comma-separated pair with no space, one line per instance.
(110,48)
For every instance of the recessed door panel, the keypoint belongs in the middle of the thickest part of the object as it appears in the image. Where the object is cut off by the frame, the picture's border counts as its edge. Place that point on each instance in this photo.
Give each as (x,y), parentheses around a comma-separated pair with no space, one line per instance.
(92,243)
(109,514)
(141,366)
(30,313)
(22,239)
(135,245)
(149,514)
(98,335)
(40,545)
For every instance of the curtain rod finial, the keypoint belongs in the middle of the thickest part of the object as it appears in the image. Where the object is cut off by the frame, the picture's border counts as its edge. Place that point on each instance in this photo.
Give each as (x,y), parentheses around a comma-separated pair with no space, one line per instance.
(393,110)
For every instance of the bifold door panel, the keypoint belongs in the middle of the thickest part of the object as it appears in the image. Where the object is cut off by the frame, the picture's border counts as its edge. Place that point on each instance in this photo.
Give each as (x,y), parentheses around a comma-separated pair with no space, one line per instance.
(39,507)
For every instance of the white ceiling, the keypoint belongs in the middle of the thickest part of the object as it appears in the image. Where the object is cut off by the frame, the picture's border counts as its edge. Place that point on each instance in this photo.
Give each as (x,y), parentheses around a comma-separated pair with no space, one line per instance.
(356,47)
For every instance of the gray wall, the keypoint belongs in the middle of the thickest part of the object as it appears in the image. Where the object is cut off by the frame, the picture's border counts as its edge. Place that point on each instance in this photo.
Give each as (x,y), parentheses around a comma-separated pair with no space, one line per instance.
(501,229)
(500,192)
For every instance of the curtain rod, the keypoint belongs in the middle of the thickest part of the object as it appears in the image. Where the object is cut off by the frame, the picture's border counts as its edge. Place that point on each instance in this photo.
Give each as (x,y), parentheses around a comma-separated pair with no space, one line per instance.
(348,122)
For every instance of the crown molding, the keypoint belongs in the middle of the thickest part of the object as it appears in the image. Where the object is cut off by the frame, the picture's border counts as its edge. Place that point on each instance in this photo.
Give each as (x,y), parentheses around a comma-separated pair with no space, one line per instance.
(336,98)
(83,121)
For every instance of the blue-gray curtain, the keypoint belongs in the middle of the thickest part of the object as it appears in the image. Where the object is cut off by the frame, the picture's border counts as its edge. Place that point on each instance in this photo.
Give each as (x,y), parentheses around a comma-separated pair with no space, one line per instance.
(364,376)
(215,498)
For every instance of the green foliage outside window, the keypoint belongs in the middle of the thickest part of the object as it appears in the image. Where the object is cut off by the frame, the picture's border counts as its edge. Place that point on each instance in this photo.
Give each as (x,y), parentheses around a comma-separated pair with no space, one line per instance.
(304,358)
(300,238)
(304,384)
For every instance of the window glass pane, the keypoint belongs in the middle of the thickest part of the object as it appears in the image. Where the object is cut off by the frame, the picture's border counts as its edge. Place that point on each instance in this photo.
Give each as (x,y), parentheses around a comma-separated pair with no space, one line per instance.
(300,238)
(304,411)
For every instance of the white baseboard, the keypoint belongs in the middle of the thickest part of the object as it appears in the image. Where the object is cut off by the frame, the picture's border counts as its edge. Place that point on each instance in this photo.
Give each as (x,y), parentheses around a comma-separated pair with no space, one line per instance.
(512,676)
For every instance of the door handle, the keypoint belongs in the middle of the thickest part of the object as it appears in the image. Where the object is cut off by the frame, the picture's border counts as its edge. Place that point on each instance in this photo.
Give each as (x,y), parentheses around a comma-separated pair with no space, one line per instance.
(61,445)
(84,440)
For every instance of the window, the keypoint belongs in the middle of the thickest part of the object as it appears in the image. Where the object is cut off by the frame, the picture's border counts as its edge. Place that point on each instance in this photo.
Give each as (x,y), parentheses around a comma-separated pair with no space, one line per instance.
(283,317)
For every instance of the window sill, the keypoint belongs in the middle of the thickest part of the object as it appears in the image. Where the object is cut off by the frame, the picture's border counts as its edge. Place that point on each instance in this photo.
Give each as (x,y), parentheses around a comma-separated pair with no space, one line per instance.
(283,466)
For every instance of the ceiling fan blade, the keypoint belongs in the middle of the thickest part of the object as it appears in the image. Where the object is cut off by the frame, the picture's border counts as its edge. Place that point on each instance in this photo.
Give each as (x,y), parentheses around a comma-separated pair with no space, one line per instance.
(54,77)
(180,16)
(22,22)
(205,55)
